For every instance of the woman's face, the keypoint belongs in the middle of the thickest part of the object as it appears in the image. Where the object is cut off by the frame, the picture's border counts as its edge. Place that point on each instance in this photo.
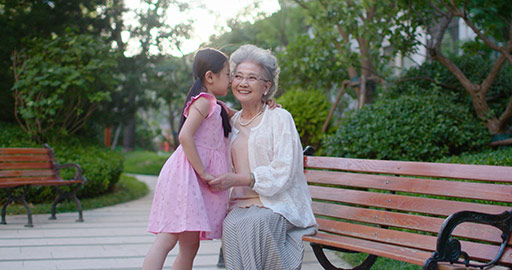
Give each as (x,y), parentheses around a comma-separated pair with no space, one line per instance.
(248,84)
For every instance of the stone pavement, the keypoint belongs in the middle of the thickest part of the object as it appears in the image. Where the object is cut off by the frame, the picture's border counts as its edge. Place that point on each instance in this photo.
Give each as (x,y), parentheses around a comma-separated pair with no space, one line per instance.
(110,238)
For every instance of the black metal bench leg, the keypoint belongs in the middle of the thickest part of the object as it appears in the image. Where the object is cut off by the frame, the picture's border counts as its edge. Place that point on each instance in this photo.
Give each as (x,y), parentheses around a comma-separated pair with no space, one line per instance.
(11,198)
(78,206)
(59,198)
(326,264)
(4,208)
(67,195)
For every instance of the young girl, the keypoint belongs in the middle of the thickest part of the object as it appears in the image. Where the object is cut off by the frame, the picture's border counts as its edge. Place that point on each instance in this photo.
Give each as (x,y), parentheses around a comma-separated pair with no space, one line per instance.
(184,208)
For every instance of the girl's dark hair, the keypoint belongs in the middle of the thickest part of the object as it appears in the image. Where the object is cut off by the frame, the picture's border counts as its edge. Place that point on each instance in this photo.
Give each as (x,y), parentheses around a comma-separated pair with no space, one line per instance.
(205,60)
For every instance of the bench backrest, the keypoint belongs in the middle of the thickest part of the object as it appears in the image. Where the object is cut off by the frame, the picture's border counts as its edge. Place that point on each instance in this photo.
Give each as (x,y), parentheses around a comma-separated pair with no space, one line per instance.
(405,203)
(26,165)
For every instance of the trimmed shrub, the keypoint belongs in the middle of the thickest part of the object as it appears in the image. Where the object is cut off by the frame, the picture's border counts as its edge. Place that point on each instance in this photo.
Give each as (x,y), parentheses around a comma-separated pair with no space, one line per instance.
(101,166)
(500,157)
(309,110)
(415,128)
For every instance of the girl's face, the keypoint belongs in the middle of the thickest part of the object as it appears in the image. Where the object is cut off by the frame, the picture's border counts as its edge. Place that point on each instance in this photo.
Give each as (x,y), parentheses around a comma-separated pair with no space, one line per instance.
(221,81)
(248,83)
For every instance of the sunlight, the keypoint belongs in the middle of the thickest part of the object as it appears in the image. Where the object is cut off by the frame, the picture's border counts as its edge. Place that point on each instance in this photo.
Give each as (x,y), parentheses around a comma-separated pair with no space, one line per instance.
(210,18)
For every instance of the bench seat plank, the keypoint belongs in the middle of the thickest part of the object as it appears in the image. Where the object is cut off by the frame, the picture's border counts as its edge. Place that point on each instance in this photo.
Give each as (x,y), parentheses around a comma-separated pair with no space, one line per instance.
(12,173)
(426,169)
(18,158)
(404,221)
(15,151)
(27,165)
(399,202)
(491,192)
(407,239)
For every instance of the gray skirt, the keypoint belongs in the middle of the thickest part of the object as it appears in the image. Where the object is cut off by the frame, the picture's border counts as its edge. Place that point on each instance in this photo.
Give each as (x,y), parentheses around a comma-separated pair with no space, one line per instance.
(257,238)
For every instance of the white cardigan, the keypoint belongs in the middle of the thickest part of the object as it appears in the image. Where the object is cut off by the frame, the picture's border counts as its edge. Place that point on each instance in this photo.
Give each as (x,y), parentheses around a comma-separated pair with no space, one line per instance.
(275,158)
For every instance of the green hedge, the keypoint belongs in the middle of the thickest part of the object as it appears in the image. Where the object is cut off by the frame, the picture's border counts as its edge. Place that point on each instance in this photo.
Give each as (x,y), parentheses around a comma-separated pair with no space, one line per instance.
(101,166)
(409,127)
(501,156)
(309,110)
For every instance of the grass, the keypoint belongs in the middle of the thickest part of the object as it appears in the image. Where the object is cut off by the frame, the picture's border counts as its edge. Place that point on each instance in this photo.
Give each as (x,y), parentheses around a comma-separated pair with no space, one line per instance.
(127,189)
(144,162)
(381,263)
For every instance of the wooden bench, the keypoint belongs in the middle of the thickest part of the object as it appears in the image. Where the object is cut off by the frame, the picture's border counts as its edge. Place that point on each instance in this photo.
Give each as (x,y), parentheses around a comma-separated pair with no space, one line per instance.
(21,168)
(430,214)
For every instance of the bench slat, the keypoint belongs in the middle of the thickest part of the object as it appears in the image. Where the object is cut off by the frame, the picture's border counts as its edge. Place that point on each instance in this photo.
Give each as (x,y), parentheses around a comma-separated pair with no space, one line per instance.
(14,151)
(490,192)
(40,183)
(405,221)
(410,240)
(35,165)
(409,255)
(400,202)
(427,169)
(15,158)
(27,173)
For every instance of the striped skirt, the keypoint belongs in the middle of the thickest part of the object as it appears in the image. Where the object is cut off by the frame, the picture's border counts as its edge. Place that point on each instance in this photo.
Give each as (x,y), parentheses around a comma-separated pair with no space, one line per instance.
(257,238)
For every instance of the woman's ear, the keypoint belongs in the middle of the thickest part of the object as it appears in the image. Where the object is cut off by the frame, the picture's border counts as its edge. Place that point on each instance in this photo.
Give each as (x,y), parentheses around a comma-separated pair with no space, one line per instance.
(208,76)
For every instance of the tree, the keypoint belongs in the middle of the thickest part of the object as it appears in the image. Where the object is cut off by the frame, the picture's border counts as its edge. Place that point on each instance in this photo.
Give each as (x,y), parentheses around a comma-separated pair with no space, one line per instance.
(153,34)
(492,24)
(358,30)
(22,20)
(60,82)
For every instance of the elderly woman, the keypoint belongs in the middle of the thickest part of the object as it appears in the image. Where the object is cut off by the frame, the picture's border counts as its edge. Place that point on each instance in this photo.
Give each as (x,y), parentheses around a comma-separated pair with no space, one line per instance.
(270,205)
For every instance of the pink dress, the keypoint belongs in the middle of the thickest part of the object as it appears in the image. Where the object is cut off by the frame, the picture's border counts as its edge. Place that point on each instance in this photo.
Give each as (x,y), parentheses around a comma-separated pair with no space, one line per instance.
(184,202)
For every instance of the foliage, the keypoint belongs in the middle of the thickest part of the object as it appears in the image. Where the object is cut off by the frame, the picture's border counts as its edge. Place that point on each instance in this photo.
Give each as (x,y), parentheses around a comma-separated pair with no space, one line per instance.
(409,127)
(102,167)
(23,20)
(359,31)
(127,189)
(144,162)
(309,110)
(274,32)
(60,82)
(476,68)
(490,23)
(501,156)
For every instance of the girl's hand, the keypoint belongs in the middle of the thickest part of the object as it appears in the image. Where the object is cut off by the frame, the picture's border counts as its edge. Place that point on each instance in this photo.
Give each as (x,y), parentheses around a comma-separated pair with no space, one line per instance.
(224,182)
(206,177)
(272,104)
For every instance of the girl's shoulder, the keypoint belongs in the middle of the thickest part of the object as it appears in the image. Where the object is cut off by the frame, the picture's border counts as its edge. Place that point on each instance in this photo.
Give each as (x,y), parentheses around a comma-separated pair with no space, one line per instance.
(203,97)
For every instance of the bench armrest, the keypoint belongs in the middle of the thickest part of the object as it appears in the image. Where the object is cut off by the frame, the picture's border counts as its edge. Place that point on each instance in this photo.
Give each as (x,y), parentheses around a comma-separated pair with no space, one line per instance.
(78,173)
(449,249)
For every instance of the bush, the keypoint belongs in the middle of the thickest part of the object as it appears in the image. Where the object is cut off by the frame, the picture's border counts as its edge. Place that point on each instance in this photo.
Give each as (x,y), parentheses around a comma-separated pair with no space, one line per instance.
(415,128)
(309,110)
(101,166)
(500,157)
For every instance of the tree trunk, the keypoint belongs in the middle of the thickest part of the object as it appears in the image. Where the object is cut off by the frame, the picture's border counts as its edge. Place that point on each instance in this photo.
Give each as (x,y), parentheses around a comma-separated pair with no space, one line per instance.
(173,129)
(129,135)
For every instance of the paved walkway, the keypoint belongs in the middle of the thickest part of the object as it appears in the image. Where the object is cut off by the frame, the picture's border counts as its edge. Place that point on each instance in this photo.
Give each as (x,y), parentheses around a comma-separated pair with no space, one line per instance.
(110,238)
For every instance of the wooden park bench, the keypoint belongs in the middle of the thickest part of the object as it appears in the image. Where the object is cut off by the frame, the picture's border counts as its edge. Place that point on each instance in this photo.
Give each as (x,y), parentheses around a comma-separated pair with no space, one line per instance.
(439,215)
(21,168)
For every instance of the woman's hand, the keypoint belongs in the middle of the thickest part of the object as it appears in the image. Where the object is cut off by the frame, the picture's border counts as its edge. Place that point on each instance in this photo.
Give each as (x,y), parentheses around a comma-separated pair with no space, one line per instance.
(225,182)
(272,104)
